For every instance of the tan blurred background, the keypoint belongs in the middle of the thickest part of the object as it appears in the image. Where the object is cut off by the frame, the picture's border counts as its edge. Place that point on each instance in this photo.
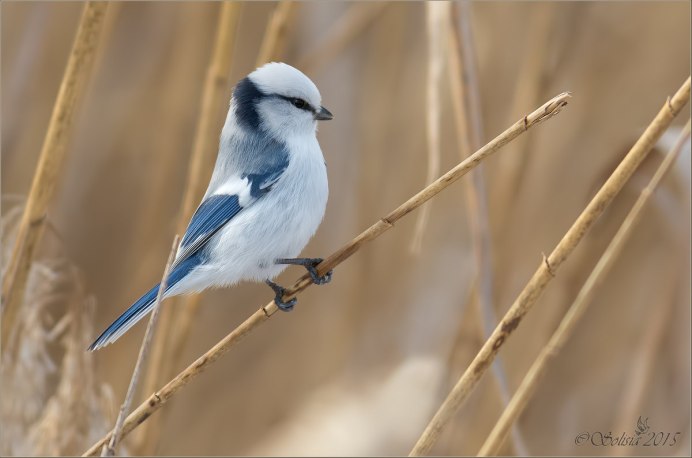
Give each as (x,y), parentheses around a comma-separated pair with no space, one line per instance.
(361,365)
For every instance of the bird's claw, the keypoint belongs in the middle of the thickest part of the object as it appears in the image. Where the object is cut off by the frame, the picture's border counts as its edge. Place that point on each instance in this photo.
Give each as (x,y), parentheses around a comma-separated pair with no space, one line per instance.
(312,270)
(310,265)
(279,291)
(286,306)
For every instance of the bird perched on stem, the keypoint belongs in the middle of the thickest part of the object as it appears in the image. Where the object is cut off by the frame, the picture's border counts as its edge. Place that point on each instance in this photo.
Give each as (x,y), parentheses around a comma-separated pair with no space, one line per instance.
(265,200)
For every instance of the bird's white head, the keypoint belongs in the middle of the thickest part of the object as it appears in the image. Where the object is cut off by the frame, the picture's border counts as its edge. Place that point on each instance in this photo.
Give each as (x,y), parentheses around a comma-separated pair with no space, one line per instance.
(280,100)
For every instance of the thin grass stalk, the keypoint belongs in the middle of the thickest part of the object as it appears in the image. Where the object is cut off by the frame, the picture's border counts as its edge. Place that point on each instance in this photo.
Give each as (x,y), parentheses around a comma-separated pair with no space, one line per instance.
(566,328)
(349,27)
(436,26)
(463,77)
(637,382)
(529,89)
(174,75)
(275,34)
(51,161)
(205,141)
(548,268)
(159,398)
(109,448)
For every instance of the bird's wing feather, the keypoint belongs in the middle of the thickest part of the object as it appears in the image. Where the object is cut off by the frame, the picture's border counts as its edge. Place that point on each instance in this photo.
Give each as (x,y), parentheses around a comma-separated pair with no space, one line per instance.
(218,209)
(211,215)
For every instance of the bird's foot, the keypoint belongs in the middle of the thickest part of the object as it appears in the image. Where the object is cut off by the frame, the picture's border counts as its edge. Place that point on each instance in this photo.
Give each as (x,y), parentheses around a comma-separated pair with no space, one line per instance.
(279,291)
(310,264)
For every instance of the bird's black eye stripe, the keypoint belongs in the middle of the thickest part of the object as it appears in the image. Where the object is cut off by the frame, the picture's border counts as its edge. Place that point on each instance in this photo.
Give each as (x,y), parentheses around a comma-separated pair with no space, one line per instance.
(299,103)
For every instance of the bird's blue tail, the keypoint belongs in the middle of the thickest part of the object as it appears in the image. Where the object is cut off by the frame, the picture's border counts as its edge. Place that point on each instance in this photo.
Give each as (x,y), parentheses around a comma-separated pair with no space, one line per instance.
(132,315)
(144,304)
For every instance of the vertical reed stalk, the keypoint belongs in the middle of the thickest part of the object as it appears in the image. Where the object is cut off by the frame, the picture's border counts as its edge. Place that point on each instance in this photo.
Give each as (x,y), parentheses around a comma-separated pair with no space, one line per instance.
(579,306)
(174,330)
(51,161)
(548,268)
(463,77)
(436,26)
(529,89)
(276,33)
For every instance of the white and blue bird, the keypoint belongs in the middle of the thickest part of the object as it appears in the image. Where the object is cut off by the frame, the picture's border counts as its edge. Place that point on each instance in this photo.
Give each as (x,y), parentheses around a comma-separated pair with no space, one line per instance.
(265,200)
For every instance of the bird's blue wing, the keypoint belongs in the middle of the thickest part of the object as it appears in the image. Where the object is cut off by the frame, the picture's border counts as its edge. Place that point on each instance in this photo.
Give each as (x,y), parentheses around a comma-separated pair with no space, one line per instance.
(211,215)
(218,209)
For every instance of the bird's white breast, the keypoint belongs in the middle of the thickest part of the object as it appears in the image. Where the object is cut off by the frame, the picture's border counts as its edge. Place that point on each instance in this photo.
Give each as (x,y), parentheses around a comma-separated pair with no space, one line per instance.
(278,225)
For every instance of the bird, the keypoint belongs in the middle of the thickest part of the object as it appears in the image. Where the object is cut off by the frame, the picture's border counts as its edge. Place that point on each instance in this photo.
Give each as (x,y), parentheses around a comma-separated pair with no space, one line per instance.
(266,197)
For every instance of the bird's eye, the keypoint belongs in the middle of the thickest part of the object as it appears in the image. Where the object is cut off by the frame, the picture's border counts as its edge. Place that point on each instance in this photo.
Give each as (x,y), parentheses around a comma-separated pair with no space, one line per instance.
(299,103)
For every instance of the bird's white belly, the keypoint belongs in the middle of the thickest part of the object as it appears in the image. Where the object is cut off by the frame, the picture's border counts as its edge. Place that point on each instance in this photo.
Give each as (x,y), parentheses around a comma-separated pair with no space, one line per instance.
(277,225)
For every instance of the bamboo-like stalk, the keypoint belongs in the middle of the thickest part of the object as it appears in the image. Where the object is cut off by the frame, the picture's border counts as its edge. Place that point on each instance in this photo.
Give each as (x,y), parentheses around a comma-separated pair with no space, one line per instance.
(159,398)
(436,26)
(566,328)
(467,113)
(109,448)
(548,268)
(275,34)
(51,161)
(205,141)
(349,27)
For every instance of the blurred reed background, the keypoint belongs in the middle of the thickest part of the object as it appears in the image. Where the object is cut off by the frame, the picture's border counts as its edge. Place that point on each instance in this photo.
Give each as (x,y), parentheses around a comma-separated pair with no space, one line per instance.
(361,365)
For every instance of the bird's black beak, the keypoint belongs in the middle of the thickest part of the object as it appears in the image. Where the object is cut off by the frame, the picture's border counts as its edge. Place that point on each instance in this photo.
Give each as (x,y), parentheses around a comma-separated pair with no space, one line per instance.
(323,114)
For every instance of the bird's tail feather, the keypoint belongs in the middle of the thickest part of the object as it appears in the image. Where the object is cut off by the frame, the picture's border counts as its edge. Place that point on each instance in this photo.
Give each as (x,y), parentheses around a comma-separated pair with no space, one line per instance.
(129,318)
(145,304)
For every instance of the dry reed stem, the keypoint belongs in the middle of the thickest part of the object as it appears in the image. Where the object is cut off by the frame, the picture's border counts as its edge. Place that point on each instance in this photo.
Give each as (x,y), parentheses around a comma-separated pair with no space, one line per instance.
(530,84)
(51,160)
(109,448)
(214,98)
(349,27)
(576,311)
(436,26)
(548,268)
(467,114)
(465,92)
(157,399)
(276,31)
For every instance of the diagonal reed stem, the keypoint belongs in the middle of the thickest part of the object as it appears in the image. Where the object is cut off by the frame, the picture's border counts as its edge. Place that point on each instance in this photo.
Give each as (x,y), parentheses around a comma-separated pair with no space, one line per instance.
(51,161)
(576,311)
(159,398)
(547,269)
(109,448)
